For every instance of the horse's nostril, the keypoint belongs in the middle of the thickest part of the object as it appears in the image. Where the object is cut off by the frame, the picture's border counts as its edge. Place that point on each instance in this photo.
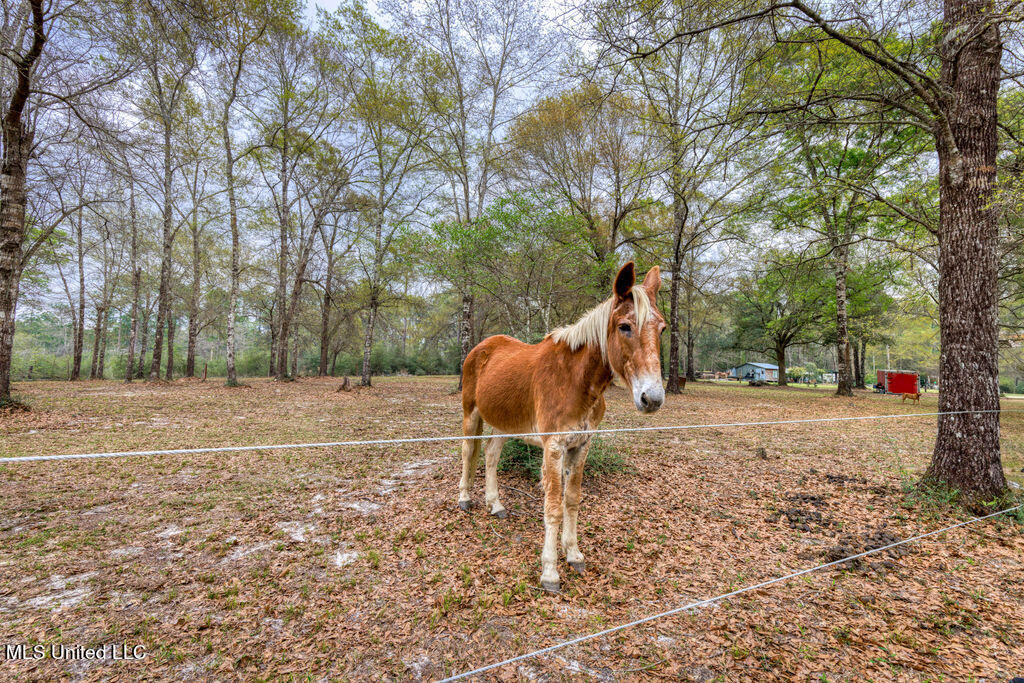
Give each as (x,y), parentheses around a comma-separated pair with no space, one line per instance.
(644,400)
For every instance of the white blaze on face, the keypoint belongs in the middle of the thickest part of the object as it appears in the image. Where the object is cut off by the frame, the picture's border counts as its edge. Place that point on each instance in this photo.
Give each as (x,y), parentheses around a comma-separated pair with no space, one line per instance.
(648,392)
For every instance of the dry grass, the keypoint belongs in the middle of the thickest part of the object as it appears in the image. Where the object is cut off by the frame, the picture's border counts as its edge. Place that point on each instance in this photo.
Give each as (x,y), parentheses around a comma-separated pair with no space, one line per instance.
(356,564)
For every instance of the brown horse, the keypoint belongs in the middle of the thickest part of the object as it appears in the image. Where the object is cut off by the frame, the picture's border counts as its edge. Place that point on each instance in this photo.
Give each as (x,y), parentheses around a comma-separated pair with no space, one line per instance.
(557,386)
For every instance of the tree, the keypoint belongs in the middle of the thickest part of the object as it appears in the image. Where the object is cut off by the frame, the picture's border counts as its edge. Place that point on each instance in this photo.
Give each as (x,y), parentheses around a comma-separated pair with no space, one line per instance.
(589,150)
(168,53)
(823,169)
(17,142)
(43,89)
(481,55)
(302,105)
(240,28)
(382,80)
(688,89)
(525,256)
(944,80)
(777,308)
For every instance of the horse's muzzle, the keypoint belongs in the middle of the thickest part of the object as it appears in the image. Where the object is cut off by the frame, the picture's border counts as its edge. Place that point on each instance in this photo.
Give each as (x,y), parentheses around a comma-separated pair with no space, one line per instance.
(648,394)
(650,404)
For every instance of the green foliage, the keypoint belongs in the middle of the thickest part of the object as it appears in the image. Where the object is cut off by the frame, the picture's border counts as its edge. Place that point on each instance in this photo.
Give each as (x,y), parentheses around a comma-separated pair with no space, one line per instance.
(780,306)
(603,459)
(526,253)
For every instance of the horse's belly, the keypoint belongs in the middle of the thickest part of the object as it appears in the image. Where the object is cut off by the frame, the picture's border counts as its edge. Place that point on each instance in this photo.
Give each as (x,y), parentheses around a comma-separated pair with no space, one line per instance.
(505,412)
(503,394)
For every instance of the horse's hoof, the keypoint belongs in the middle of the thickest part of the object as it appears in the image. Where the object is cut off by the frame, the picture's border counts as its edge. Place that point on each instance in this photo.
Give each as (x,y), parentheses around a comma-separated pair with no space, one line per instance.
(550,586)
(465,505)
(501,514)
(579,567)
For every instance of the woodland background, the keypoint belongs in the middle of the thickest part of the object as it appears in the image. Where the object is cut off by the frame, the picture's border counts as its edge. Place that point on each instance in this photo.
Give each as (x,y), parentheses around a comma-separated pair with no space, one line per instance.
(254,188)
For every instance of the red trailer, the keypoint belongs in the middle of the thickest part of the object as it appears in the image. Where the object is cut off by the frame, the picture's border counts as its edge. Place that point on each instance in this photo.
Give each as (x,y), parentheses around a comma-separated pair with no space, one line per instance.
(896,382)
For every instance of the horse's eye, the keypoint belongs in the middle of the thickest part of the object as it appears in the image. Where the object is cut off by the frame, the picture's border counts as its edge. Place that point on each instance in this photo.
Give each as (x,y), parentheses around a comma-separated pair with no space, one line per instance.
(625,329)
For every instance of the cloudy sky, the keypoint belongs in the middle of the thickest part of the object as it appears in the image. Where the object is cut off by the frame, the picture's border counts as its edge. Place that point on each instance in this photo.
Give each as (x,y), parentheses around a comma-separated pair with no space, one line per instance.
(331,5)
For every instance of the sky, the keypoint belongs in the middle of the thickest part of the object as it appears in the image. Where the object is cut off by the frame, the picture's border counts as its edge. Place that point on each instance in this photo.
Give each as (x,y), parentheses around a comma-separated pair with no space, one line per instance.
(331,5)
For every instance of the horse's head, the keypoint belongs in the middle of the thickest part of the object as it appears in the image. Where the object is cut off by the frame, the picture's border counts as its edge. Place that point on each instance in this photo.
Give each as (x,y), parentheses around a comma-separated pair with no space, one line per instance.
(634,332)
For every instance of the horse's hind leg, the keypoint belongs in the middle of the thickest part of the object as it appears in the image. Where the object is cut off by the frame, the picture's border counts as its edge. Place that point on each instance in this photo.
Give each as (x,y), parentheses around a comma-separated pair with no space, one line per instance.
(492,452)
(472,425)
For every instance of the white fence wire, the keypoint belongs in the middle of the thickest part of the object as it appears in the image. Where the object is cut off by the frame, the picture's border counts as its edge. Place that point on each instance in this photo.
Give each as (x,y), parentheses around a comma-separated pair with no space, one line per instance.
(441,439)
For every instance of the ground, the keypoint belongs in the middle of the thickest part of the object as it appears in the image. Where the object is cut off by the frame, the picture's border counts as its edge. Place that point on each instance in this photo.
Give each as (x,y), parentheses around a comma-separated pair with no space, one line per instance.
(355,563)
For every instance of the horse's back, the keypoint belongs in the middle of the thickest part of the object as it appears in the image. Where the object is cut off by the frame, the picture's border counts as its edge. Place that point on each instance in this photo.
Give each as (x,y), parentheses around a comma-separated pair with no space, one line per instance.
(497,380)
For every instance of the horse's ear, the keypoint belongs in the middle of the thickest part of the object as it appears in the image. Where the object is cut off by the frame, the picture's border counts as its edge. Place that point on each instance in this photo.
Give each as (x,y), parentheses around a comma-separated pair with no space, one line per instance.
(624,280)
(652,283)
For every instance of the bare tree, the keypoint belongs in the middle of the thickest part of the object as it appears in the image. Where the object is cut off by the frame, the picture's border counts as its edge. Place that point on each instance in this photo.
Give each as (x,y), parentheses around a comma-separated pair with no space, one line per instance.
(241,28)
(167,52)
(490,53)
(381,80)
(295,113)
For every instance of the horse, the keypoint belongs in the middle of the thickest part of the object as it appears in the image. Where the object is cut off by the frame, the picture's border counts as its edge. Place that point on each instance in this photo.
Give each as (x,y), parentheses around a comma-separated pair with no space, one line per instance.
(558,385)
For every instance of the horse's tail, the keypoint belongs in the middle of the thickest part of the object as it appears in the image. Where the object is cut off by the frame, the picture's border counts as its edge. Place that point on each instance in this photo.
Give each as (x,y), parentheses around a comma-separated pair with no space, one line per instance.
(467,380)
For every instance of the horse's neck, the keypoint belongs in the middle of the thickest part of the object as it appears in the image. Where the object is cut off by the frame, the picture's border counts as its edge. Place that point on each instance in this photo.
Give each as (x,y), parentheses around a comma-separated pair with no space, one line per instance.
(590,371)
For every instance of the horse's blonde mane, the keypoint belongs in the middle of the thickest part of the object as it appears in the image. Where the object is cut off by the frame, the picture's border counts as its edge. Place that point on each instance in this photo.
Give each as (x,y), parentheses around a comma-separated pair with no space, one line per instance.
(592,328)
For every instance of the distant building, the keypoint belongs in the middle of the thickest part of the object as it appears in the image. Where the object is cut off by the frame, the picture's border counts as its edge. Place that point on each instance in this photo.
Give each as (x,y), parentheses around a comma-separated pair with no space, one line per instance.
(765,372)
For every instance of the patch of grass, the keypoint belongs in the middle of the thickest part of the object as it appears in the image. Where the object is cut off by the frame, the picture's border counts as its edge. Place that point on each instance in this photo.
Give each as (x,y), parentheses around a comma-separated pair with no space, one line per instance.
(928,498)
(933,500)
(602,459)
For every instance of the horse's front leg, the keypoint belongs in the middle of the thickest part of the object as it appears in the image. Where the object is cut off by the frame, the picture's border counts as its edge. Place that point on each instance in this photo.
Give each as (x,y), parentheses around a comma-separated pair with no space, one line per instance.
(551,479)
(573,472)
(492,453)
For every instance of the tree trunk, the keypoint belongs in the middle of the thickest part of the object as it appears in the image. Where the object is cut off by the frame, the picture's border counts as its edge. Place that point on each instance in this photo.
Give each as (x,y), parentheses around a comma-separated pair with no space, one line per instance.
(170,345)
(322,367)
(672,386)
(680,211)
(12,224)
(966,456)
(96,332)
(691,371)
(325,317)
(163,300)
(691,343)
(281,371)
(79,336)
(780,360)
(858,376)
(141,371)
(133,334)
(229,177)
(193,306)
(465,331)
(843,368)
(295,355)
(17,142)
(273,346)
(100,367)
(863,376)
(368,340)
